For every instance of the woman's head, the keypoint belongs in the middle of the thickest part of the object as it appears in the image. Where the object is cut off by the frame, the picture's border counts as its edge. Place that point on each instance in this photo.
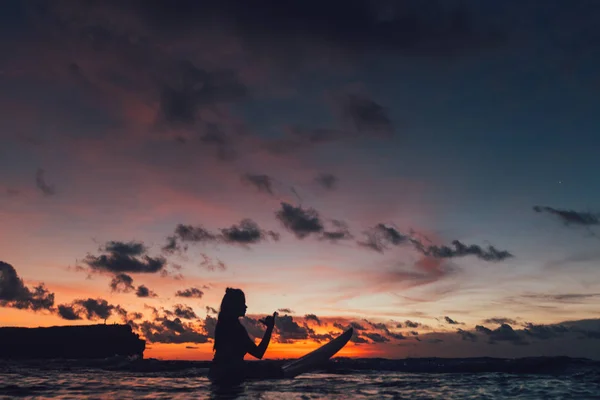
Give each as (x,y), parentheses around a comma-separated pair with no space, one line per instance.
(233,304)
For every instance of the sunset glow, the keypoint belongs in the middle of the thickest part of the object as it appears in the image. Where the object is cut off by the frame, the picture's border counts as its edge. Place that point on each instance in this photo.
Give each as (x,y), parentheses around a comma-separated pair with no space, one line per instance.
(436,192)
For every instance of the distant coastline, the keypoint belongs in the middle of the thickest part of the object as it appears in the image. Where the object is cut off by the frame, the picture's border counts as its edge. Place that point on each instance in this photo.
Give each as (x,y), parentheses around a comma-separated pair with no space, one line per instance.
(70,342)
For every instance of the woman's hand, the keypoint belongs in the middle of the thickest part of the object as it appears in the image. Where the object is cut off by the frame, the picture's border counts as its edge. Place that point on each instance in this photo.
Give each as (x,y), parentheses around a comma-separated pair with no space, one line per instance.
(270,320)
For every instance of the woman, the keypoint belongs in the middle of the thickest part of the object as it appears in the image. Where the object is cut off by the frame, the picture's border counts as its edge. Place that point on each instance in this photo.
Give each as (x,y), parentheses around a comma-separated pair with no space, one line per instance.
(232,341)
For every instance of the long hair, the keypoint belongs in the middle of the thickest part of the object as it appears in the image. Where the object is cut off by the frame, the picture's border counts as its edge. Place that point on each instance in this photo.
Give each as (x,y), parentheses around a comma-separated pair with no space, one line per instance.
(233,301)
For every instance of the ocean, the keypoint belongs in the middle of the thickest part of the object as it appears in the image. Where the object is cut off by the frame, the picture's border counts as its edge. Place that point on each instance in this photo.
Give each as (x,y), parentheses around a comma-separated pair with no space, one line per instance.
(539,378)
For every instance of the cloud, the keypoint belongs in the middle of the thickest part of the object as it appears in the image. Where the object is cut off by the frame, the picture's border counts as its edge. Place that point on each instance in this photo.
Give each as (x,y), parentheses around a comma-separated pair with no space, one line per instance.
(301,222)
(67,312)
(121,283)
(461,250)
(191,89)
(165,330)
(503,333)
(246,232)
(40,181)
(288,329)
(365,115)
(188,234)
(211,310)
(253,326)
(378,325)
(92,309)
(210,324)
(125,257)
(396,335)
(545,332)
(328,181)
(312,317)
(410,324)
(381,236)
(340,232)
(285,310)
(500,321)
(184,312)
(14,293)
(190,293)
(262,183)
(376,337)
(143,291)
(452,322)
(210,264)
(570,217)
(466,335)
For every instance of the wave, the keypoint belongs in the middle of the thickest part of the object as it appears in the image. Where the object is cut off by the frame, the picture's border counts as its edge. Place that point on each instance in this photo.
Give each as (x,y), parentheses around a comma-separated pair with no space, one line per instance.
(340,365)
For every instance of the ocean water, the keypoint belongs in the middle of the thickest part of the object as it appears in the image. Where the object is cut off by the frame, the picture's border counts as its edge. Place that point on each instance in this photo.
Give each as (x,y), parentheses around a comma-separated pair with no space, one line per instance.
(187,380)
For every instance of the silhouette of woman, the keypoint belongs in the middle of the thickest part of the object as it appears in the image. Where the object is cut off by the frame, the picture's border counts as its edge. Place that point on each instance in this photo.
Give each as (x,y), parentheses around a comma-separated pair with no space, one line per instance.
(232,341)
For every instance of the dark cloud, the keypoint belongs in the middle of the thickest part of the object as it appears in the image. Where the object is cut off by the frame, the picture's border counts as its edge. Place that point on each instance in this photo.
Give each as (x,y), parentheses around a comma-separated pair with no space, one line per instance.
(312,317)
(461,250)
(262,183)
(210,310)
(381,236)
(411,324)
(187,234)
(143,291)
(396,335)
(14,293)
(483,329)
(190,293)
(570,217)
(328,181)
(121,283)
(40,181)
(285,310)
(210,324)
(365,115)
(545,332)
(414,333)
(92,309)
(378,325)
(210,264)
(500,321)
(253,326)
(376,337)
(191,89)
(503,333)
(452,322)
(124,257)
(301,222)
(466,335)
(67,312)
(435,340)
(291,30)
(246,232)
(165,330)
(184,312)
(288,329)
(340,232)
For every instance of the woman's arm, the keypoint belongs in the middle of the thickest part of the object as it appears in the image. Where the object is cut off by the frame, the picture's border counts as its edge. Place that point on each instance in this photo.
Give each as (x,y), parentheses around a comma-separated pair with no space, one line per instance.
(259,351)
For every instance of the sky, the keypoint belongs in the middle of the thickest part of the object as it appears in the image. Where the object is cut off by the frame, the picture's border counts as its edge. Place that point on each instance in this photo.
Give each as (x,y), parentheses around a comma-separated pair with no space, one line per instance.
(424,171)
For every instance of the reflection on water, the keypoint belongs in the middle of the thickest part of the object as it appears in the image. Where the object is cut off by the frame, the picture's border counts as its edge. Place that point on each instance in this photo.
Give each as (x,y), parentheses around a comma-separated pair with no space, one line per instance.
(366,384)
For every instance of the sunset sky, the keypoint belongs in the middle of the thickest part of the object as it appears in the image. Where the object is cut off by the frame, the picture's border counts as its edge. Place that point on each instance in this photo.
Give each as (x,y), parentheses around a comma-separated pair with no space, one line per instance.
(425,171)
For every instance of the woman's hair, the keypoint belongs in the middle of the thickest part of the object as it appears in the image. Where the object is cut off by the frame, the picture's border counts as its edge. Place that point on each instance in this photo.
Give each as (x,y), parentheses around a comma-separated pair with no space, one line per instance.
(233,301)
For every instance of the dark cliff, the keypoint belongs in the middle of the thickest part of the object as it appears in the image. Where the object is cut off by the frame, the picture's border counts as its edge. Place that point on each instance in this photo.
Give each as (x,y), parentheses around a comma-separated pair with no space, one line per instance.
(70,342)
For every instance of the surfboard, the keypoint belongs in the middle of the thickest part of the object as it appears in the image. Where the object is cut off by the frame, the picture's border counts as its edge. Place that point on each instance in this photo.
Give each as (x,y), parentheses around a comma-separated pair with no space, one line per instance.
(316,357)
